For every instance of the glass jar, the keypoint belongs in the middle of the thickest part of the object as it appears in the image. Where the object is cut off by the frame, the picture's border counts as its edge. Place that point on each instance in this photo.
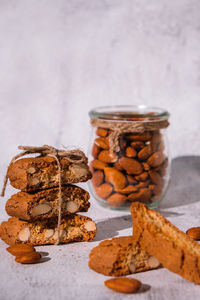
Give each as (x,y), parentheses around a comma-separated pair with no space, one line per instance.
(128,155)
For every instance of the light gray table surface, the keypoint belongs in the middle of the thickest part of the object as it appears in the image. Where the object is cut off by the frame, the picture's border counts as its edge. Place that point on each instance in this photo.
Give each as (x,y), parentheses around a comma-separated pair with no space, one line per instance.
(66,274)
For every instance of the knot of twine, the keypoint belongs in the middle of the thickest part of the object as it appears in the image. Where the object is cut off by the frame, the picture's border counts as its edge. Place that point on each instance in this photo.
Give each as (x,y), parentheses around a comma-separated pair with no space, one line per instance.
(120,127)
(73,156)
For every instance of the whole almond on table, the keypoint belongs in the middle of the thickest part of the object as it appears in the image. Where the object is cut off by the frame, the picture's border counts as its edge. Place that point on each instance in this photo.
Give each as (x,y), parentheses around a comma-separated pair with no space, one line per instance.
(20,249)
(123,285)
(194,233)
(29,258)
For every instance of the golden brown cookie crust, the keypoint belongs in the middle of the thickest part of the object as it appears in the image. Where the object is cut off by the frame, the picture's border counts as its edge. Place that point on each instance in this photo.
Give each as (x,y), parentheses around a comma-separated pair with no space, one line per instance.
(41,172)
(41,232)
(172,247)
(119,256)
(29,206)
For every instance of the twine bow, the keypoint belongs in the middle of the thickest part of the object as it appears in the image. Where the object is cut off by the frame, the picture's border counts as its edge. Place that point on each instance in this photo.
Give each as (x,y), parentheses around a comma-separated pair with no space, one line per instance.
(74,156)
(120,127)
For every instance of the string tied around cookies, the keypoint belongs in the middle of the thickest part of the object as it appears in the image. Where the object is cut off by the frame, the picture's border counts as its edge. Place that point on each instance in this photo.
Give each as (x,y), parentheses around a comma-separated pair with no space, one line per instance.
(121,127)
(74,156)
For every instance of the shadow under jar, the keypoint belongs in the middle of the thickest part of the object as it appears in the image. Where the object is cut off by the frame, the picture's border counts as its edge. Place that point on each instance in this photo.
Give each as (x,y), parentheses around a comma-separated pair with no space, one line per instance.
(129,155)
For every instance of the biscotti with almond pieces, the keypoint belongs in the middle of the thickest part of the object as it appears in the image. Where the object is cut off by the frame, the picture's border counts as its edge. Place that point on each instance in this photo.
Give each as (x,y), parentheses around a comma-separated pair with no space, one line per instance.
(44,203)
(73,228)
(120,256)
(174,249)
(41,172)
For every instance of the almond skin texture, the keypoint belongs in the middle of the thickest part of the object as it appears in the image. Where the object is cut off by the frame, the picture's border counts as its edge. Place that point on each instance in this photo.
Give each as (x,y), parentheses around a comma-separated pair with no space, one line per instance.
(156,178)
(102,143)
(101,132)
(97,178)
(143,195)
(127,190)
(20,249)
(142,177)
(140,137)
(30,258)
(156,159)
(123,285)
(115,177)
(95,151)
(194,233)
(137,145)
(104,190)
(97,164)
(132,166)
(145,152)
(107,157)
(116,199)
(131,152)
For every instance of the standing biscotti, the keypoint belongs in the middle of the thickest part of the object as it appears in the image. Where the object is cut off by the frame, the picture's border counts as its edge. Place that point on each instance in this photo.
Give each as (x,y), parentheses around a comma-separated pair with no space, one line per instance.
(120,256)
(173,248)
(35,173)
(44,203)
(41,232)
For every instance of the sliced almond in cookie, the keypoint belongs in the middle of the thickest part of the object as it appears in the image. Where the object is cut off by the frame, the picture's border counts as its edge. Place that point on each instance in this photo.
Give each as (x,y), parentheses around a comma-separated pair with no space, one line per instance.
(72,206)
(24,234)
(41,209)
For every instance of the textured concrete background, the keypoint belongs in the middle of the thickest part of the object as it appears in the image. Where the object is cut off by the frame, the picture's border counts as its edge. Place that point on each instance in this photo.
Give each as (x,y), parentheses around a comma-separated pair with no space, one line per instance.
(59,59)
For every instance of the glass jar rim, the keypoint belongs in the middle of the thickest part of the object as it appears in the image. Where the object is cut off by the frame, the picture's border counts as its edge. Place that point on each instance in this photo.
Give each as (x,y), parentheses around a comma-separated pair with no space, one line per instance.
(129,113)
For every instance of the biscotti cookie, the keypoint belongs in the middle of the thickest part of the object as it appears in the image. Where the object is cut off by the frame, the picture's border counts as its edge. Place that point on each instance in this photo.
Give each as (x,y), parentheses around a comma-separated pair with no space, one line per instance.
(44,204)
(173,248)
(35,173)
(120,256)
(41,232)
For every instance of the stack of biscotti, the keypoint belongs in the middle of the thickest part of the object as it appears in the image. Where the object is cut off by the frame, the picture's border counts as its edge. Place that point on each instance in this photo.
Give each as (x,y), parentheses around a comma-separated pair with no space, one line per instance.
(34,210)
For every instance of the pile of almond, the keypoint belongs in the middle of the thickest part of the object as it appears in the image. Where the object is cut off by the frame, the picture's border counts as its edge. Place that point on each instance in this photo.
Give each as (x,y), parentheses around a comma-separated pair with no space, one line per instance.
(136,173)
(25,254)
